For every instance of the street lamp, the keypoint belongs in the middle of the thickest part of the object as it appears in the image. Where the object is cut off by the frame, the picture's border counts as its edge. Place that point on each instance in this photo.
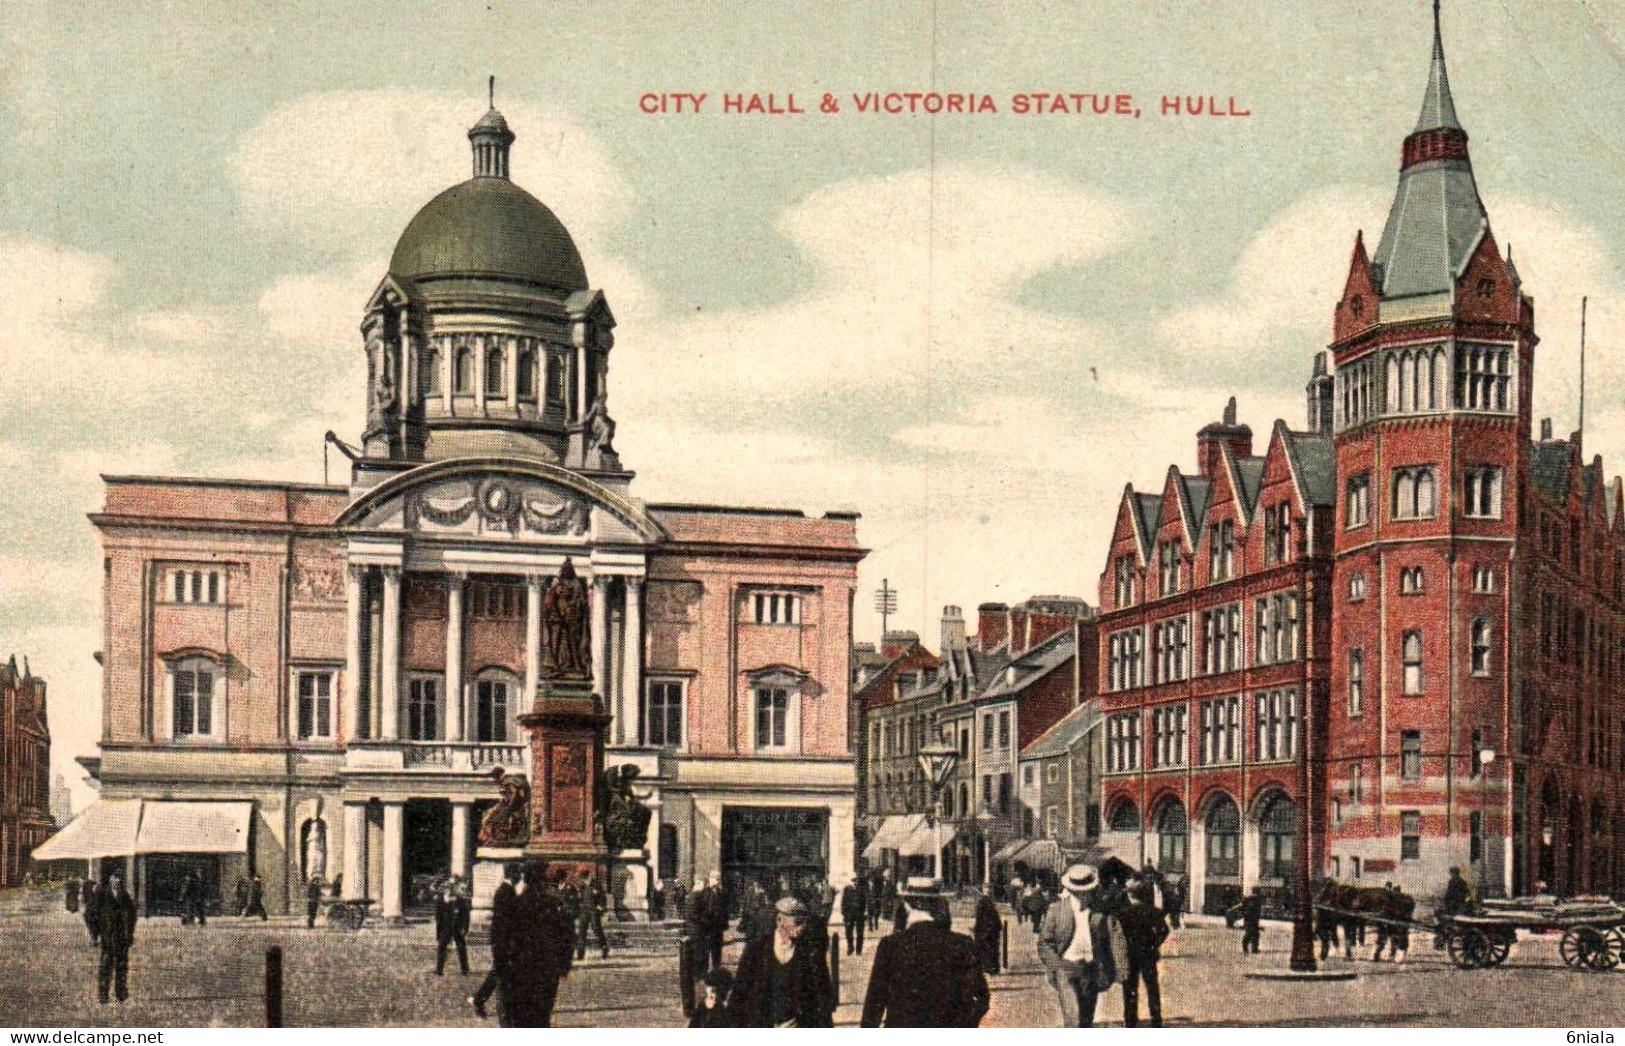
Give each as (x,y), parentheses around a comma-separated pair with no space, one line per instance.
(937,760)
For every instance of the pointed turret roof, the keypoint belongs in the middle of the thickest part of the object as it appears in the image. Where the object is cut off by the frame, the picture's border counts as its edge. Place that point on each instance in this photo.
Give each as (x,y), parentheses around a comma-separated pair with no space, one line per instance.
(1438,108)
(1437,219)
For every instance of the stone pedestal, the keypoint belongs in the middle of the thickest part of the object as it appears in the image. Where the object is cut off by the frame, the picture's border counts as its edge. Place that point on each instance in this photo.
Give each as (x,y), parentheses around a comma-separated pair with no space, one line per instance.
(566,725)
(629,885)
(489,861)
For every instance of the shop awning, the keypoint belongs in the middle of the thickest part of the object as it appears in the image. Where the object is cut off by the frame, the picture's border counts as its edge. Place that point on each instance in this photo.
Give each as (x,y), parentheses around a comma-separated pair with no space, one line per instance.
(922,842)
(106,828)
(1044,855)
(121,827)
(1009,850)
(893,832)
(194,828)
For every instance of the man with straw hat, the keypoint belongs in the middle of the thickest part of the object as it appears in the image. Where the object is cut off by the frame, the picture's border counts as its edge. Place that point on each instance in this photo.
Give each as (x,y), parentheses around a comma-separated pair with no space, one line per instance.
(1081,946)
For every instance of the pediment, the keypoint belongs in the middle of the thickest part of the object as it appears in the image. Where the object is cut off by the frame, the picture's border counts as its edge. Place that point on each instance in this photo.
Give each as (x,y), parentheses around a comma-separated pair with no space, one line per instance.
(500,499)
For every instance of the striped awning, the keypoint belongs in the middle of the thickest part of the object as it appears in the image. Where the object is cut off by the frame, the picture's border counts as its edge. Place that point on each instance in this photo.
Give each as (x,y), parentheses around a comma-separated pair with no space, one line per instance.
(893,833)
(106,828)
(121,827)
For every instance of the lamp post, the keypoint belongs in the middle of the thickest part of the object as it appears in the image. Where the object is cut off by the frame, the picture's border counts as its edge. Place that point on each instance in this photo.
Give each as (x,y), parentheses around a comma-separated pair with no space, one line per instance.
(937,760)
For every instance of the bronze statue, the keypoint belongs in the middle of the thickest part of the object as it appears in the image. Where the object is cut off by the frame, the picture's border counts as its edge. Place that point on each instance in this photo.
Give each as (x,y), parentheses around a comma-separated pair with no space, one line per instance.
(626,818)
(508,822)
(564,617)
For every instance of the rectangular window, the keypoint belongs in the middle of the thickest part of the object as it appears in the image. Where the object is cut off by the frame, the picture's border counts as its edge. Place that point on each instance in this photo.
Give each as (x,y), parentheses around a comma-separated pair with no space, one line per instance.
(1483,377)
(772,717)
(1278,533)
(1168,567)
(195,585)
(315,690)
(1411,657)
(1221,551)
(423,709)
(1481,492)
(1027,776)
(1275,725)
(1475,836)
(776,608)
(987,733)
(192,690)
(1356,682)
(1357,501)
(1220,728)
(1123,743)
(1275,628)
(1052,773)
(1004,793)
(1168,736)
(1004,730)
(1410,835)
(1123,592)
(1410,755)
(491,711)
(1221,630)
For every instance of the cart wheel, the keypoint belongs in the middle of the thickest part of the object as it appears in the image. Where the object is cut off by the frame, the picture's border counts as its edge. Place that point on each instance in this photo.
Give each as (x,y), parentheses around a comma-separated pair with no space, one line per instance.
(1469,949)
(1586,947)
(356,916)
(1616,944)
(1608,955)
(1500,948)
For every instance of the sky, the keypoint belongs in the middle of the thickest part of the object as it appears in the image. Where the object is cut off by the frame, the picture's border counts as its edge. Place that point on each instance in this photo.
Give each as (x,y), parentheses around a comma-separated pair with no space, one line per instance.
(974,329)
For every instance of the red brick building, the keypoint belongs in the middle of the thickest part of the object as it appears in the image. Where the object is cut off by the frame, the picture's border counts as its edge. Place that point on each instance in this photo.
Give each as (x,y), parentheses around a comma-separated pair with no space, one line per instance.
(1214,642)
(25,762)
(1478,623)
(1451,592)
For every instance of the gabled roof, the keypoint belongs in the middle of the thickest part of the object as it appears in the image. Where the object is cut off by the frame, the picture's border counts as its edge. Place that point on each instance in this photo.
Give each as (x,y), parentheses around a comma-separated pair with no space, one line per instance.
(1148,515)
(1198,494)
(1249,474)
(1032,665)
(1059,738)
(1314,464)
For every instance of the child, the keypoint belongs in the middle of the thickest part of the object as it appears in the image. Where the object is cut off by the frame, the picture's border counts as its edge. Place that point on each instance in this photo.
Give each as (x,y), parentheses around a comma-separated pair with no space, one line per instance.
(712,1011)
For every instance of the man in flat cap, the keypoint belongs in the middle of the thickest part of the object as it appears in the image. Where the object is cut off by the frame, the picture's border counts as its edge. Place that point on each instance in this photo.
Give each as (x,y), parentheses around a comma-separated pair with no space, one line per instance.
(782,980)
(925,976)
(1076,944)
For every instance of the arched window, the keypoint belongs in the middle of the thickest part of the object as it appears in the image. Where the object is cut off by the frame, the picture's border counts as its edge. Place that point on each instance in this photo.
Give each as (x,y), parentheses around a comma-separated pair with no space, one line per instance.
(526,383)
(1223,823)
(429,372)
(1413,493)
(555,378)
(1356,682)
(1124,817)
(462,381)
(1439,382)
(1481,646)
(1277,826)
(494,378)
(964,800)
(1412,657)
(1424,493)
(1394,384)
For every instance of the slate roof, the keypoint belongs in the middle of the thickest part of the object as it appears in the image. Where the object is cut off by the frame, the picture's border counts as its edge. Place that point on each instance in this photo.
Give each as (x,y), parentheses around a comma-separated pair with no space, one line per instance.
(1059,739)
(1314,460)
(1250,471)
(1437,219)
(1148,507)
(1549,468)
(1033,665)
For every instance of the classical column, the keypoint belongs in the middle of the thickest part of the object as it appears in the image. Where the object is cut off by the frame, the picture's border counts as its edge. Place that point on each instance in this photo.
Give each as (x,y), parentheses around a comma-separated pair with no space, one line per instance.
(581,383)
(394,814)
(354,595)
(455,704)
(626,711)
(534,584)
(600,629)
(448,371)
(459,840)
(355,851)
(510,366)
(389,684)
(479,375)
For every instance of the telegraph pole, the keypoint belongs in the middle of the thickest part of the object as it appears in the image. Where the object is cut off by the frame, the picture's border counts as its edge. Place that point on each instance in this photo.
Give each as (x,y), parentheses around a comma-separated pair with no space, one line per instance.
(886,605)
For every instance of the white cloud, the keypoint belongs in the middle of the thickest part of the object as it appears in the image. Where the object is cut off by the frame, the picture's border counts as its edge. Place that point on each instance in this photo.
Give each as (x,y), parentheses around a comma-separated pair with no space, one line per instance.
(185,326)
(364,161)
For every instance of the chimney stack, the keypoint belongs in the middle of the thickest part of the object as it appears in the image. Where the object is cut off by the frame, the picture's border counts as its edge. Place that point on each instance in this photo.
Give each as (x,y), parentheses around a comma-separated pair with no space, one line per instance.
(1545,429)
(953,631)
(1239,438)
(992,625)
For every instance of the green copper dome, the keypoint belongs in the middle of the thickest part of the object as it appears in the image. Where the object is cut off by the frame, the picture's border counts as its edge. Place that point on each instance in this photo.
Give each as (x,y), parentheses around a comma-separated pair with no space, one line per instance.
(489,228)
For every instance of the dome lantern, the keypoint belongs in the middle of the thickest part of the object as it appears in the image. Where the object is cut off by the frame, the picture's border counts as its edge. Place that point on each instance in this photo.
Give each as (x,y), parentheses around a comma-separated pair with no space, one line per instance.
(490,139)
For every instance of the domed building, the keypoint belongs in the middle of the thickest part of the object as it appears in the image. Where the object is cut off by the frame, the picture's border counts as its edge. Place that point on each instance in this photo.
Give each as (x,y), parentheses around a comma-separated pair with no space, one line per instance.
(316,683)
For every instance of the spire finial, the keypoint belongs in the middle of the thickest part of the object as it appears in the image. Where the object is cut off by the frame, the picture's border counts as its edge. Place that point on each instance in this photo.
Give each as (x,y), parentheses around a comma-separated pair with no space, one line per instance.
(491,88)
(1438,36)
(1438,109)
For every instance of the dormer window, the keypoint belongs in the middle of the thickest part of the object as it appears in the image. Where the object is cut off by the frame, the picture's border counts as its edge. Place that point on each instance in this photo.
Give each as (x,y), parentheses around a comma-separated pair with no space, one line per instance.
(1357,306)
(1278,533)
(1123,591)
(1486,288)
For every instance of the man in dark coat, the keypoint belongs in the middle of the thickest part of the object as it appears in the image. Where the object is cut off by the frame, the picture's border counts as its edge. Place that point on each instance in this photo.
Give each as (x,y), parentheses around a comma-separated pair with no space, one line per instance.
(987,929)
(241,896)
(1252,911)
(89,897)
(1173,899)
(853,915)
(926,976)
(875,901)
(782,981)
(542,957)
(1079,945)
(115,925)
(451,913)
(256,899)
(1144,929)
(504,936)
(1458,898)
(199,901)
(590,905)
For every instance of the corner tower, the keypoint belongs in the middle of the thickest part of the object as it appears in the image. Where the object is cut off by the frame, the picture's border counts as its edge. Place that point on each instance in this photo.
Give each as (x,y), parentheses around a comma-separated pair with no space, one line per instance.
(485,338)
(1433,352)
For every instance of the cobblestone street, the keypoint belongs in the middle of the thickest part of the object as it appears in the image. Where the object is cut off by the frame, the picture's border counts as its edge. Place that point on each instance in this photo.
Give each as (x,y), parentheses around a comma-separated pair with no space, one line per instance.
(182,976)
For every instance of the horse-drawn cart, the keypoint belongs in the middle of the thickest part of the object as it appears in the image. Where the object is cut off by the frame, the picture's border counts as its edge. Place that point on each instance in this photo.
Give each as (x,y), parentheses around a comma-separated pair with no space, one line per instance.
(1593,931)
(351,913)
